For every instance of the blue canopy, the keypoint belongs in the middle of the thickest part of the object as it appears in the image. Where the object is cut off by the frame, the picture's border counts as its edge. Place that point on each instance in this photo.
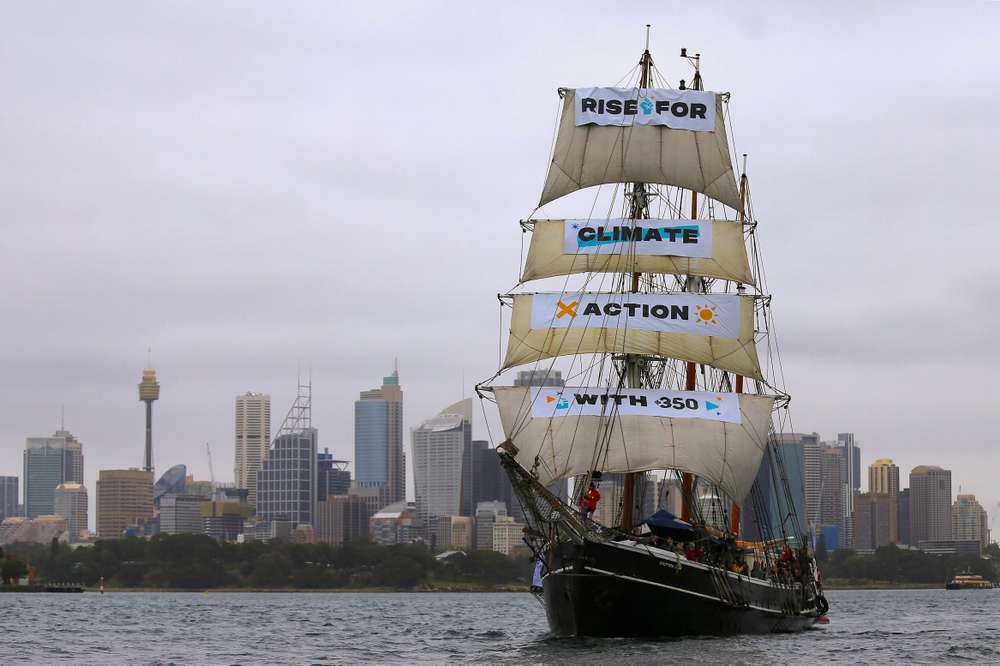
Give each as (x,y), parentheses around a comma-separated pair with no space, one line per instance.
(664,523)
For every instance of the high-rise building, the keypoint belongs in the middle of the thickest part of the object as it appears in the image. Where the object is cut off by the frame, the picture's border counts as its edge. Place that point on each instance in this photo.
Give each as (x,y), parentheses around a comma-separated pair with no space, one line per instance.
(968,520)
(875,521)
(8,497)
(393,524)
(287,482)
(452,532)
(507,535)
(903,516)
(834,491)
(173,482)
(440,446)
(333,477)
(48,462)
(490,482)
(223,520)
(487,513)
(342,518)
(378,438)
(794,457)
(252,439)
(149,391)
(71,504)
(124,500)
(930,504)
(883,477)
(181,514)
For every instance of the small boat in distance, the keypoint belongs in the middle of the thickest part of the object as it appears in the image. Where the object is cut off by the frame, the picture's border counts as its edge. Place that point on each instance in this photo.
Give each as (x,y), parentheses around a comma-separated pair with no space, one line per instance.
(968,581)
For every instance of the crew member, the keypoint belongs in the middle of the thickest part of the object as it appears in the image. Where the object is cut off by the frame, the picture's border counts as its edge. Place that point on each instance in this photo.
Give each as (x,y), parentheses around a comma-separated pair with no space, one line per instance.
(588,503)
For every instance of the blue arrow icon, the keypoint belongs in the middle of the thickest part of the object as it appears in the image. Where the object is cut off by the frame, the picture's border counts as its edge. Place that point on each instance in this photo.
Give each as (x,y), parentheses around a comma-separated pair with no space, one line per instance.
(710,405)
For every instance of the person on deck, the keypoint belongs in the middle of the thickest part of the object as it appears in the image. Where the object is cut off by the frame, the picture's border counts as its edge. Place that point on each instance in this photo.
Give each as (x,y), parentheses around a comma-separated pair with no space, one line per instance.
(588,503)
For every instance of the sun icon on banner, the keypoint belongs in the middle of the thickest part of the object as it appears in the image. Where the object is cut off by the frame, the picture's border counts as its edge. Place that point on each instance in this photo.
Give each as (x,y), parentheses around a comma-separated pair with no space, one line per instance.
(706,314)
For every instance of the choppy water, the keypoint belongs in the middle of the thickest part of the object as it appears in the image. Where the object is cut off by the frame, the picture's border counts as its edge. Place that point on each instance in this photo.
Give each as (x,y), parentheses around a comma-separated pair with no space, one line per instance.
(915,626)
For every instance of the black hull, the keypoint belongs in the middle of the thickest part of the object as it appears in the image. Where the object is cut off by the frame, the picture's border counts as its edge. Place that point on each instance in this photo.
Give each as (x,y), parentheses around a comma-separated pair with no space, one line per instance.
(610,590)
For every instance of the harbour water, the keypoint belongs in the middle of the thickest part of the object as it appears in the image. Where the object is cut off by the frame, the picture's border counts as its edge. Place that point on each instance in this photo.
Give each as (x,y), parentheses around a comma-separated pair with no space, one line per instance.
(913,626)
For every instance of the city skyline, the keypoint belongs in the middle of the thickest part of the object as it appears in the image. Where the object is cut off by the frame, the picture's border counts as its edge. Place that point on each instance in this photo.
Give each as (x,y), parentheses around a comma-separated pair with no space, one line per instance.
(119,196)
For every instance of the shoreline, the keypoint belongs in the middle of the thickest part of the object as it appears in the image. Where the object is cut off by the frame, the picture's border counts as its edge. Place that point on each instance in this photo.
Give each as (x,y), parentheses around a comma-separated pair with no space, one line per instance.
(878,585)
(330,590)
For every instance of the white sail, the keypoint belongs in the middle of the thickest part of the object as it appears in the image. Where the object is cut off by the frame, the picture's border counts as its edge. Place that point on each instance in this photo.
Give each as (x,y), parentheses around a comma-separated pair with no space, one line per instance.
(717,329)
(549,255)
(592,154)
(556,447)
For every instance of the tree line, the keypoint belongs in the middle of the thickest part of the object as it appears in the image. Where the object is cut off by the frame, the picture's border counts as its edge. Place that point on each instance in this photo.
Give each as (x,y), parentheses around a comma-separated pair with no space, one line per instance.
(896,565)
(196,561)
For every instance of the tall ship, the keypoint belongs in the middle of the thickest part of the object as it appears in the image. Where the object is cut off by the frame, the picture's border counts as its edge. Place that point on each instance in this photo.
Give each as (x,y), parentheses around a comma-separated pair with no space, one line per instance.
(657,314)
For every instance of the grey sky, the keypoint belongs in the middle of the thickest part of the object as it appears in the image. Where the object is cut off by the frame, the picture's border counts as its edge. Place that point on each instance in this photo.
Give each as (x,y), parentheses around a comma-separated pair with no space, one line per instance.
(251,187)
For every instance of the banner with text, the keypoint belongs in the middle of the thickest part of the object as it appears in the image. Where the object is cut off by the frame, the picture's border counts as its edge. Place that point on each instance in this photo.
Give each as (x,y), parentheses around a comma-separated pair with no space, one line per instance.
(695,314)
(679,109)
(567,401)
(677,238)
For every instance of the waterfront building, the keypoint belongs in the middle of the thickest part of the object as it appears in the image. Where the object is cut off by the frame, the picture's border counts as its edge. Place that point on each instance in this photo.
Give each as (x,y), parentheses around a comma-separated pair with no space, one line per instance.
(440,445)
(181,514)
(487,514)
(71,503)
(883,477)
(930,504)
(48,462)
(124,501)
(9,497)
(378,438)
(252,436)
(149,392)
(507,535)
(875,521)
(968,520)
(798,454)
(452,532)
(903,516)
(394,524)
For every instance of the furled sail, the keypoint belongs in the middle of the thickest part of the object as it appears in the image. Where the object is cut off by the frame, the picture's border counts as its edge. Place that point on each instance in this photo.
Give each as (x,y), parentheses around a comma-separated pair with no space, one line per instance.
(592,154)
(706,248)
(717,329)
(724,447)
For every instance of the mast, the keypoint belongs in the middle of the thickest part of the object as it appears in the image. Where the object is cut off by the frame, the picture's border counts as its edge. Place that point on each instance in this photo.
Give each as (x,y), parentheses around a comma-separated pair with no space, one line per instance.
(638,209)
(693,284)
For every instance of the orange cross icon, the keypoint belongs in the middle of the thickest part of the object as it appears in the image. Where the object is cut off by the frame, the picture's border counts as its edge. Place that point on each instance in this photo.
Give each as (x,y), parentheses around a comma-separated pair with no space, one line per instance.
(566,309)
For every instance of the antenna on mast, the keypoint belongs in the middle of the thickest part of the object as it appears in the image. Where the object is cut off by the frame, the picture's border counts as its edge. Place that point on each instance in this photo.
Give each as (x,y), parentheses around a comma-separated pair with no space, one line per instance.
(647,36)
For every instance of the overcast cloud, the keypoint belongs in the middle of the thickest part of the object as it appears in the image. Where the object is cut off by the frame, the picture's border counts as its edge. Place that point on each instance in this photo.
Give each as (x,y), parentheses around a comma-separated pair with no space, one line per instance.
(250,188)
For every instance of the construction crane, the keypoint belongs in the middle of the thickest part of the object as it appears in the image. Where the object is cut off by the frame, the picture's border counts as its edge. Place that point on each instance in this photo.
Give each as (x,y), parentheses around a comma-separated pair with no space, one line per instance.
(211,472)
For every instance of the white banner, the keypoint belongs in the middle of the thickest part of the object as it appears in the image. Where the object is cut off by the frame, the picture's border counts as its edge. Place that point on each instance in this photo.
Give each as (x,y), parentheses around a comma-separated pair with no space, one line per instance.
(680,109)
(566,401)
(717,315)
(664,238)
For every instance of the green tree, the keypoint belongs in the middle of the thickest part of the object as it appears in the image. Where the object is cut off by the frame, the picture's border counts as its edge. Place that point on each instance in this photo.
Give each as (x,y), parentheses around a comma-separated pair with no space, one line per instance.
(12,570)
(399,571)
(271,570)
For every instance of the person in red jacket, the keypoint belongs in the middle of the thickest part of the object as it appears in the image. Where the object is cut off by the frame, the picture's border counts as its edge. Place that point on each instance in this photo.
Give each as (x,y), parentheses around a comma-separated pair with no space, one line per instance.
(588,503)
